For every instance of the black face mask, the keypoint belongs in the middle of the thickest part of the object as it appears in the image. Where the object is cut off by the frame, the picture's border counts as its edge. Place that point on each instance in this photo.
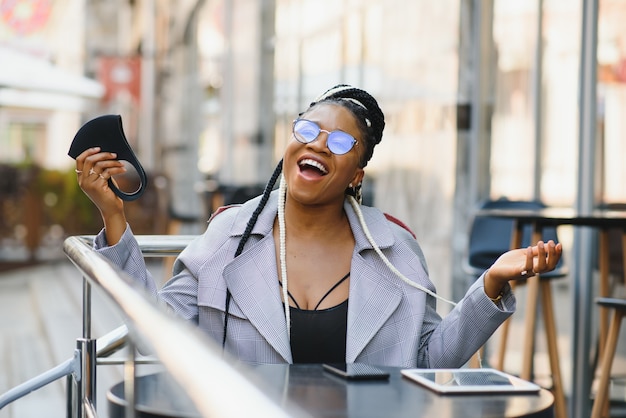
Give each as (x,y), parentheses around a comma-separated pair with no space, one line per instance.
(107,133)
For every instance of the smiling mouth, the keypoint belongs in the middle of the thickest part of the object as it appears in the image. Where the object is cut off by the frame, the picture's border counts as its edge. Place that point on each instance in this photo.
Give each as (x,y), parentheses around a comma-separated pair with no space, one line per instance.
(311,165)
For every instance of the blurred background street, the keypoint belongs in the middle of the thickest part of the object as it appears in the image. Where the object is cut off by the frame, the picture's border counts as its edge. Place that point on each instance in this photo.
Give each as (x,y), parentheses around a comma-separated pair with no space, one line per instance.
(483,99)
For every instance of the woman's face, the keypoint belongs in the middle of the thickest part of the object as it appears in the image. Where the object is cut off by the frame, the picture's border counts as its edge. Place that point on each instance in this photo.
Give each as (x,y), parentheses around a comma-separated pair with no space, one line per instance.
(313,173)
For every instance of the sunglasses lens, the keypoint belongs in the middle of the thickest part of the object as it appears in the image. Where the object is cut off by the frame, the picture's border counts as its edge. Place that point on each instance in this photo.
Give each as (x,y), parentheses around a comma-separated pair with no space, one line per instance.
(340,142)
(305,131)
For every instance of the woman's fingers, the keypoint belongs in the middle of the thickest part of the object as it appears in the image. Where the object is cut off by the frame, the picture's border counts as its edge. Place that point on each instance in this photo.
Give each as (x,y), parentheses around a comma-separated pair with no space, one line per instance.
(80,160)
(541,258)
(528,271)
(106,169)
(524,263)
(546,256)
(87,161)
(94,170)
(93,165)
(554,254)
(101,160)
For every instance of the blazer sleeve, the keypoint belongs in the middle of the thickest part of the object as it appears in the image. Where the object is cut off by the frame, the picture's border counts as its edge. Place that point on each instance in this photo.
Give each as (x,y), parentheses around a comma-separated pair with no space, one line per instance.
(180,293)
(466,328)
(127,255)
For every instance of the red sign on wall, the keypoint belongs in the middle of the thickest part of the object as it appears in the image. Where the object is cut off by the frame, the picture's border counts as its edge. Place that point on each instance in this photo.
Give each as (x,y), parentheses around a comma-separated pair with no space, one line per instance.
(620,70)
(121,76)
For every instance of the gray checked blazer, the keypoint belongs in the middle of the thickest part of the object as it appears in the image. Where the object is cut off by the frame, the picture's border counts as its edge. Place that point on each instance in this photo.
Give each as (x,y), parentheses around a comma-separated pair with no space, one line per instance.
(389,322)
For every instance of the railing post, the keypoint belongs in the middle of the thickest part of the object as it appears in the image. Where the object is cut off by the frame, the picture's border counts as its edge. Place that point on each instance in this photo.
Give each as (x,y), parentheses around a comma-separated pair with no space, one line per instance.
(87,348)
(87,384)
(130,374)
(86,309)
(70,396)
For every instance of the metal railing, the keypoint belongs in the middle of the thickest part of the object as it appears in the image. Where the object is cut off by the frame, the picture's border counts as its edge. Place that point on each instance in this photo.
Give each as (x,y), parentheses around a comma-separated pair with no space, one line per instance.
(196,364)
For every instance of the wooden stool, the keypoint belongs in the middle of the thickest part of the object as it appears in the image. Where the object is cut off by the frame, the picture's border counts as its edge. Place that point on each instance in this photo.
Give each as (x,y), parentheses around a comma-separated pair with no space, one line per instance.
(538,286)
(601,403)
(490,237)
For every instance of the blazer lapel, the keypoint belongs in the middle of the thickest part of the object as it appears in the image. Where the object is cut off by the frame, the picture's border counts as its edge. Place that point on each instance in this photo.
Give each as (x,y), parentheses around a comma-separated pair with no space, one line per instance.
(374,293)
(253,282)
(373,299)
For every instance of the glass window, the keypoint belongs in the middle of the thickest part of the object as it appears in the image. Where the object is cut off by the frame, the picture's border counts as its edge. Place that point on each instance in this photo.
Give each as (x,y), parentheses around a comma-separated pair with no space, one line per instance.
(612,100)
(513,123)
(22,143)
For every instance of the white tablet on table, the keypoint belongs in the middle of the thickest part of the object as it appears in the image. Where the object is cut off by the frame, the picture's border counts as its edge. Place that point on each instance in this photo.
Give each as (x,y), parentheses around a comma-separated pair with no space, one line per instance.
(466,381)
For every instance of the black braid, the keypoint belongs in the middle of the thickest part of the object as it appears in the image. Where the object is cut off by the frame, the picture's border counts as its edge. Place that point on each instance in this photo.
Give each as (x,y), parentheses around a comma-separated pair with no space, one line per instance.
(373,132)
(266,195)
(246,234)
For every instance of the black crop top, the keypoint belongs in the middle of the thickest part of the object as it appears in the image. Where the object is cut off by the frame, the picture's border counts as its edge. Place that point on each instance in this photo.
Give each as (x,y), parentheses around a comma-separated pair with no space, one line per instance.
(319,336)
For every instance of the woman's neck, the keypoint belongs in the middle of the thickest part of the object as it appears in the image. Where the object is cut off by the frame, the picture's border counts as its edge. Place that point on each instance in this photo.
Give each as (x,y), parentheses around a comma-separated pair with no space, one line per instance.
(319,220)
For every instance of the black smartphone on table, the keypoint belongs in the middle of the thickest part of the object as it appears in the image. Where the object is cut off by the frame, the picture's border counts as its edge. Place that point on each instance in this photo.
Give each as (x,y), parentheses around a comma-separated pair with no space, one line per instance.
(356,371)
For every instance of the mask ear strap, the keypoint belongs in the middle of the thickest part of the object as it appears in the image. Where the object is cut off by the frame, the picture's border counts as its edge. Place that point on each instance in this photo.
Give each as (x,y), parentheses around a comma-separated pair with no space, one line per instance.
(127,154)
(107,133)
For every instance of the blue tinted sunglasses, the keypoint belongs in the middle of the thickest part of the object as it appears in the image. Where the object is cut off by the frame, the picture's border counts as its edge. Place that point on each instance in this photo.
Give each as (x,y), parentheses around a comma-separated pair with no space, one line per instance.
(338,142)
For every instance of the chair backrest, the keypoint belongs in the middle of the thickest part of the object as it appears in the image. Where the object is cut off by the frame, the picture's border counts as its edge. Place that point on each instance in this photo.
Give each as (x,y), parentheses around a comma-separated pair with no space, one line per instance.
(490,237)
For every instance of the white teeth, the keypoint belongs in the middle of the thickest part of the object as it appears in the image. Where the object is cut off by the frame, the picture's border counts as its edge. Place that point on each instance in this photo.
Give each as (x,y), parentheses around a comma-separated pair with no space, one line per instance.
(315,164)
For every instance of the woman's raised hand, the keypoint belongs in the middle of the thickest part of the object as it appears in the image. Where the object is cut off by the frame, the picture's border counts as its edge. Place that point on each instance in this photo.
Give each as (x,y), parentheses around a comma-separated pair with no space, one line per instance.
(94,169)
(521,264)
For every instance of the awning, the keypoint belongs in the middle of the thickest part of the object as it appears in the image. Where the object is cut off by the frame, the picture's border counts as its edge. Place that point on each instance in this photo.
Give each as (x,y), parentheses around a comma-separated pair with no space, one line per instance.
(27,81)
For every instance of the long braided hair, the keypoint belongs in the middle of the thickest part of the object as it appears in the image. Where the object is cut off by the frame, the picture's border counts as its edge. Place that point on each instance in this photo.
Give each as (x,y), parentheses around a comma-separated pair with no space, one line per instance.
(371,122)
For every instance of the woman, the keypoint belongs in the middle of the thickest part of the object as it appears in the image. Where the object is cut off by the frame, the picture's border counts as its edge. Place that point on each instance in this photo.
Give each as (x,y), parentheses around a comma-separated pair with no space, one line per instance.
(355,283)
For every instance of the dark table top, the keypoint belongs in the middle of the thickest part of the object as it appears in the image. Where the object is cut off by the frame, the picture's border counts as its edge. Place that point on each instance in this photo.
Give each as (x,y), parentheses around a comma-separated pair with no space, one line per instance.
(325,395)
(602,218)
(309,391)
